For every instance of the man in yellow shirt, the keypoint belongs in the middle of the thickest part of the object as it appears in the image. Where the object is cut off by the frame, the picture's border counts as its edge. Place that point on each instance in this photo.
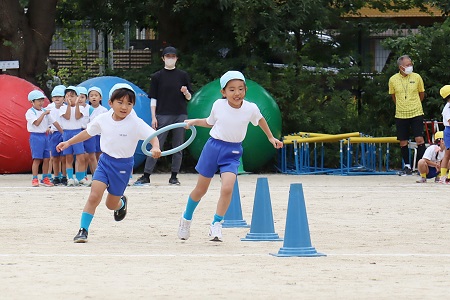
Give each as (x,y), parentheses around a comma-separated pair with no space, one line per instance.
(407,91)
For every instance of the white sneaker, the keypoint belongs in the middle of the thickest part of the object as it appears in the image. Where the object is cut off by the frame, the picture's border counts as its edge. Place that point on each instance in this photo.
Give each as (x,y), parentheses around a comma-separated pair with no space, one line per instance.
(85,181)
(422,180)
(72,182)
(215,232)
(184,229)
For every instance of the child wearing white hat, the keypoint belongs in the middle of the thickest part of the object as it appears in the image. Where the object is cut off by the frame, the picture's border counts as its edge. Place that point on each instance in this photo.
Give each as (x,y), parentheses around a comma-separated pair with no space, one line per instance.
(228,119)
(95,96)
(38,122)
(72,122)
(120,130)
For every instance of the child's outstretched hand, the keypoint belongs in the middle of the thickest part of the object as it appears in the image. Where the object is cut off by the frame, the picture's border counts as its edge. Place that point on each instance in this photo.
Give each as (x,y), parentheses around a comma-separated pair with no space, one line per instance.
(156,152)
(276,143)
(61,146)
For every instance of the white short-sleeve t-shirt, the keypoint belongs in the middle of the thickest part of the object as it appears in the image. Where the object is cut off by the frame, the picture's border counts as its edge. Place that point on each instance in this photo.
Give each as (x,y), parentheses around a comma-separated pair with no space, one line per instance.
(446,114)
(97,111)
(32,115)
(73,123)
(55,114)
(434,153)
(230,124)
(119,138)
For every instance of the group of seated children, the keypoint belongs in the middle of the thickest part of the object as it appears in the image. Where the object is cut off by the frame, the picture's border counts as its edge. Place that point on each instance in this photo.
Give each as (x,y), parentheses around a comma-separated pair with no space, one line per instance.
(68,114)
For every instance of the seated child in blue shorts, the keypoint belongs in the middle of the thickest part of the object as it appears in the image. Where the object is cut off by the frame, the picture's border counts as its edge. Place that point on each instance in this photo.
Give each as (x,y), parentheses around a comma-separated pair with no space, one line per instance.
(121,130)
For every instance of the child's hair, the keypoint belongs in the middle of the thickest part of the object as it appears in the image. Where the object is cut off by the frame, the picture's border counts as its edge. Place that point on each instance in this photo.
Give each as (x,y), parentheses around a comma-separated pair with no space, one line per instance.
(123,92)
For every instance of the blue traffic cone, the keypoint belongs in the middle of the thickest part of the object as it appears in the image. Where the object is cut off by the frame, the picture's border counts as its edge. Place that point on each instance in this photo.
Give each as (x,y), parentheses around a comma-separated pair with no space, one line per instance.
(262,228)
(297,241)
(233,216)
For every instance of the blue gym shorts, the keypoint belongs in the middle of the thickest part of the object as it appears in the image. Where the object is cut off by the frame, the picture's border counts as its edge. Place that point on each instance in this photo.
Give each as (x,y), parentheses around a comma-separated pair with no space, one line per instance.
(219,155)
(432,172)
(97,143)
(39,145)
(74,149)
(55,138)
(89,145)
(114,172)
(447,137)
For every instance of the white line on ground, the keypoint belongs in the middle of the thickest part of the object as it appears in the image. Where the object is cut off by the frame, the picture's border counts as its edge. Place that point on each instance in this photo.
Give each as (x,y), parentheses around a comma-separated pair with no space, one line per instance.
(223,255)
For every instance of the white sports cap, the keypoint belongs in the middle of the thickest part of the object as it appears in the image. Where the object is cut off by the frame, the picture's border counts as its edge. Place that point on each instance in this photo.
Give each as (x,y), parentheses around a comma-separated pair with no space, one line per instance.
(33,95)
(97,89)
(82,90)
(230,75)
(72,88)
(120,86)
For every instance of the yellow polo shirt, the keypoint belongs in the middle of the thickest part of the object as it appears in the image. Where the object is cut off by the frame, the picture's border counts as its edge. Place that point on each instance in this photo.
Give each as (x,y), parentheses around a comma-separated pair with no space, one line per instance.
(406,90)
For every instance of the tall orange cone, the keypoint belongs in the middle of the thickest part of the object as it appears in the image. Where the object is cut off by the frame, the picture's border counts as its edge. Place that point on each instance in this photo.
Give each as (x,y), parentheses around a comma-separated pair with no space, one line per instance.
(297,240)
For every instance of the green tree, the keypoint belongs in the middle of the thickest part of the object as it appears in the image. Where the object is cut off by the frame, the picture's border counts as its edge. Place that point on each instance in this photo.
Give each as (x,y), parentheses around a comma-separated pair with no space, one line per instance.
(26,31)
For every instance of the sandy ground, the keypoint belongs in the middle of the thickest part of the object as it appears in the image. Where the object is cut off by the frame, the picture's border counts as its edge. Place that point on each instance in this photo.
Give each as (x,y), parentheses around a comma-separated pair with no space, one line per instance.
(385,237)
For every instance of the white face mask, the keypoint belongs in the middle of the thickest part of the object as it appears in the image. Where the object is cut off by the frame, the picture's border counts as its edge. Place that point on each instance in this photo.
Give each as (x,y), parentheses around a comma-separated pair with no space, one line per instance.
(408,70)
(170,63)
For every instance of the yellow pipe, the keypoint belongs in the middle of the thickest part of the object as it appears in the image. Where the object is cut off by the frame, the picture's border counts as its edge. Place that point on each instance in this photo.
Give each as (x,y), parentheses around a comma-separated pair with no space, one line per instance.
(314,134)
(388,139)
(325,138)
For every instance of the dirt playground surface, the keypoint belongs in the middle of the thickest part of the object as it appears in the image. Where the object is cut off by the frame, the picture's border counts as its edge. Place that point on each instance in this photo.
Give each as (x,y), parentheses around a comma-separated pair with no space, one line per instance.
(385,237)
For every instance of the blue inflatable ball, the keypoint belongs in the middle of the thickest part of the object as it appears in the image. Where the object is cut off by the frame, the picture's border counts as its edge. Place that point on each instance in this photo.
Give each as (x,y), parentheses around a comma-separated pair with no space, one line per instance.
(142,106)
(257,148)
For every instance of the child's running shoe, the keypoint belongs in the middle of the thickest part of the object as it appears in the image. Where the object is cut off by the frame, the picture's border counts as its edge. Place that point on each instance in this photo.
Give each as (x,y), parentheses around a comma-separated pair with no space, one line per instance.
(35,182)
(56,181)
(85,181)
(215,232)
(422,180)
(120,214)
(64,180)
(72,182)
(81,236)
(46,182)
(184,228)
(443,180)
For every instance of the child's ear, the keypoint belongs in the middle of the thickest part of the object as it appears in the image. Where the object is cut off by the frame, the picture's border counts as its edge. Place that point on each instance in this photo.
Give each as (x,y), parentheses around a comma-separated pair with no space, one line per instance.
(110,103)
(223,92)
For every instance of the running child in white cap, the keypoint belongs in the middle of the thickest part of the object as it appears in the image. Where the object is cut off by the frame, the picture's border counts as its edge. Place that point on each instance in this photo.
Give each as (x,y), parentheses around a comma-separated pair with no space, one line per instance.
(120,130)
(229,119)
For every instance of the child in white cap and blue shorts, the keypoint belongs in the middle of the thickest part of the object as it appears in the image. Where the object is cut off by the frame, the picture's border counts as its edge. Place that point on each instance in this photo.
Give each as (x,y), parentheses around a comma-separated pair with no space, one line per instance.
(121,130)
(229,119)
(38,122)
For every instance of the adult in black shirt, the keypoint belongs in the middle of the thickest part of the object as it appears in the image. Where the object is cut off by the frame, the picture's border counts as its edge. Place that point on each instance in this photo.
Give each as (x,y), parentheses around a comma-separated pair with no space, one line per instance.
(170,89)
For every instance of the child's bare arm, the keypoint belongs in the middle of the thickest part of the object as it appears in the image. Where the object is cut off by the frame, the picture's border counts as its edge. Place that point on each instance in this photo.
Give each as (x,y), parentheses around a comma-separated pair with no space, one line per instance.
(265,127)
(197,122)
(66,115)
(156,151)
(41,117)
(81,137)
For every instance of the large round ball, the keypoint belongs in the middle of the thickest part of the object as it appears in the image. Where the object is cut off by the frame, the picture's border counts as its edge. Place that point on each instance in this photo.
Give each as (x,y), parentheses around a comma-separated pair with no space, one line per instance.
(15,152)
(142,106)
(257,149)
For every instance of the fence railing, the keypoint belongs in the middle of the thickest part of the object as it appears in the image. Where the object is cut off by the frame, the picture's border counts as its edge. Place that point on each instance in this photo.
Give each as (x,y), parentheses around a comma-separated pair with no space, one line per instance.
(121,59)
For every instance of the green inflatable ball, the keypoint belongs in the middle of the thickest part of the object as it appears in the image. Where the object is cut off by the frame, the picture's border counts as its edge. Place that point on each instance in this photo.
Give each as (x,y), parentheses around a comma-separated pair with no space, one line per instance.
(257,149)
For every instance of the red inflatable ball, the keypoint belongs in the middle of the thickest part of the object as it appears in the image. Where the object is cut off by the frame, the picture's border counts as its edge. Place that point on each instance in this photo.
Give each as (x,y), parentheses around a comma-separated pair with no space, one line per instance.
(15,153)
